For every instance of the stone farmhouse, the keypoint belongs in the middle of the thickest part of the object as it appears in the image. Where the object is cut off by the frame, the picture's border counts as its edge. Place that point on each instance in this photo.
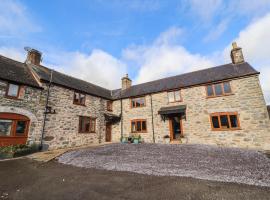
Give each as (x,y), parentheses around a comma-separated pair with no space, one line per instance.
(223,105)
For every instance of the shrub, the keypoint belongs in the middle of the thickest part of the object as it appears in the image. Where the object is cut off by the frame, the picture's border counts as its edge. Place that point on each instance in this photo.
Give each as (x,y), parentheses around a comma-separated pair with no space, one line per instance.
(18,150)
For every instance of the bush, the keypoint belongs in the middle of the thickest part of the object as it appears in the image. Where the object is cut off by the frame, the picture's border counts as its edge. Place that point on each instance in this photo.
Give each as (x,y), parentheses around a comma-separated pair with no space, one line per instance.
(17,150)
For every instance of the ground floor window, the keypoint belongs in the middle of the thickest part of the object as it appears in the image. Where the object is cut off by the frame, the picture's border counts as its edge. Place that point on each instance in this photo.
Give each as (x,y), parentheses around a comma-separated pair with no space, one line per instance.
(225,121)
(87,124)
(13,125)
(138,126)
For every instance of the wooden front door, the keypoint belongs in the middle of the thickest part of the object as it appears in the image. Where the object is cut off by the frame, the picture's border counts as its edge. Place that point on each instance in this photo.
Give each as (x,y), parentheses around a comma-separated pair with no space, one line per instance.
(108,132)
(176,131)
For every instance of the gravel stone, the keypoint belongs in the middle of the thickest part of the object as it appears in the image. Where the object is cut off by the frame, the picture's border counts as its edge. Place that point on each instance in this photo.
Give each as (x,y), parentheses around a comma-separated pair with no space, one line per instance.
(197,161)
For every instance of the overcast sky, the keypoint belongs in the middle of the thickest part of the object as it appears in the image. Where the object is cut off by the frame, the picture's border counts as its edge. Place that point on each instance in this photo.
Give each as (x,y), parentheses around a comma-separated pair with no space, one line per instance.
(101,40)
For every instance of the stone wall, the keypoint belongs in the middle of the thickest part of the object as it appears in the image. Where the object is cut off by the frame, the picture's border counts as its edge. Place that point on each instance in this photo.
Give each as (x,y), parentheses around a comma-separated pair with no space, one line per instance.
(30,103)
(247,100)
(62,128)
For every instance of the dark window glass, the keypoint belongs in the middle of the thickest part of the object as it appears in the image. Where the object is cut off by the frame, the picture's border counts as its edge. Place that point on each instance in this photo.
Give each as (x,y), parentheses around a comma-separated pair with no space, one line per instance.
(218,89)
(84,124)
(93,125)
(20,128)
(133,127)
(79,98)
(210,91)
(144,125)
(138,102)
(215,122)
(234,121)
(224,121)
(139,127)
(227,88)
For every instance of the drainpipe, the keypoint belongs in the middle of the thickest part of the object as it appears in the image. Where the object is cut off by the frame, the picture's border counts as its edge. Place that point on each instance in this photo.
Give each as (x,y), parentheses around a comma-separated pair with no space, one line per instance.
(121,117)
(153,128)
(45,112)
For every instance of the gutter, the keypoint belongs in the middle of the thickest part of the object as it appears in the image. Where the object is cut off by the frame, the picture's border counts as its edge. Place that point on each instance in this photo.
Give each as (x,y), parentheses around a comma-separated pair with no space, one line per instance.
(153,127)
(121,101)
(45,112)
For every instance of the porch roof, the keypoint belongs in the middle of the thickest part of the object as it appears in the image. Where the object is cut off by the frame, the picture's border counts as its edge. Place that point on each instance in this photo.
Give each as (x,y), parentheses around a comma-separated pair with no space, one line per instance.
(172,110)
(109,117)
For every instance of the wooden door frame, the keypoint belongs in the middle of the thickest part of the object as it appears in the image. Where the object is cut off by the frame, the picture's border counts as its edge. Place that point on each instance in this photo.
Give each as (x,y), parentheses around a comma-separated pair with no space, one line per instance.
(110,126)
(171,128)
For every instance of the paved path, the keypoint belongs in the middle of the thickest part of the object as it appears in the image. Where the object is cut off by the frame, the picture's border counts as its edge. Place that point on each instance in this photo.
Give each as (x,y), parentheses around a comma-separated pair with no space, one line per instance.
(47,156)
(197,161)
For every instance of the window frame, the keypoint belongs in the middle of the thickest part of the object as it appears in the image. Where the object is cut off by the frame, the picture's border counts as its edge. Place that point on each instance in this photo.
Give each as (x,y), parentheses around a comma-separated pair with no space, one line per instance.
(176,90)
(222,89)
(109,106)
(141,121)
(141,106)
(18,92)
(79,103)
(228,114)
(15,118)
(91,119)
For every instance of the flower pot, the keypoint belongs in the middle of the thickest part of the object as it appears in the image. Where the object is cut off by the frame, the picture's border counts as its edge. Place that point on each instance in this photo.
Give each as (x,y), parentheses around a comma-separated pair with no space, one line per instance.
(6,155)
(136,141)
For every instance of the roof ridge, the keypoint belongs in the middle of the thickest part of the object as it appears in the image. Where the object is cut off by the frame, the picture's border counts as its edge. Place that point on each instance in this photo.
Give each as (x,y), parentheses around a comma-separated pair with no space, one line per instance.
(12,60)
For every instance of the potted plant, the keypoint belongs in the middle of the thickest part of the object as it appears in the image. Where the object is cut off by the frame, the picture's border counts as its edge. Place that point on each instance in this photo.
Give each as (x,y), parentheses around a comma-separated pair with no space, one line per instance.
(167,139)
(136,139)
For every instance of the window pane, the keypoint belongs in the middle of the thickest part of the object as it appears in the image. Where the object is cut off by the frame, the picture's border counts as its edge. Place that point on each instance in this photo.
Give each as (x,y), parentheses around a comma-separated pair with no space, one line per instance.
(76,97)
(227,88)
(5,127)
(210,91)
(224,121)
(144,125)
(137,101)
(215,122)
(133,127)
(13,90)
(171,96)
(177,95)
(139,127)
(142,101)
(86,123)
(20,128)
(93,125)
(218,89)
(234,122)
(82,98)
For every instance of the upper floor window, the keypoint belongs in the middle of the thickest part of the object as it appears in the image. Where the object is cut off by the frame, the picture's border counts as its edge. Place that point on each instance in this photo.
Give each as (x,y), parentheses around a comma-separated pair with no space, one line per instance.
(79,98)
(174,96)
(109,105)
(87,124)
(138,102)
(138,126)
(225,121)
(13,90)
(219,89)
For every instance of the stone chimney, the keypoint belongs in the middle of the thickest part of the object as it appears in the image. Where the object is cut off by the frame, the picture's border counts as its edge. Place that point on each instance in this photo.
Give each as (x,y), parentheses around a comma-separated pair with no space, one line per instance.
(33,56)
(237,54)
(126,82)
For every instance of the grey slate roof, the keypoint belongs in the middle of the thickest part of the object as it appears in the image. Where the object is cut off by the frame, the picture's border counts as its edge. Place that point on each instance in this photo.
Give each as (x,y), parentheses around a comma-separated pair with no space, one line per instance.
(71,82)
(268,108)
(13,71)
(223,72)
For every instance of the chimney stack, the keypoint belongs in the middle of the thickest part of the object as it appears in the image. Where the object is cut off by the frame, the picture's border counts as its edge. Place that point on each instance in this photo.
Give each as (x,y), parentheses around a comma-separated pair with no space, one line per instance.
(236,54)
(126,82)
(33,56)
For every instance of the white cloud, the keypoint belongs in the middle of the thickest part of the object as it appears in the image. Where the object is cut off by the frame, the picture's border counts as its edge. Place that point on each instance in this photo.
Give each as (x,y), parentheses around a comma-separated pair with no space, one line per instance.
(99,67)
(15,20)
(164,58)
(13,53)
(255,42)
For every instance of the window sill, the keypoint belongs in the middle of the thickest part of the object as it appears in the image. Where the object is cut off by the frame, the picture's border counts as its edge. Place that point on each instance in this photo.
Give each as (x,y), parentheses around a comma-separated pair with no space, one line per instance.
(235,129)
(225,95)
(86,132)
(24,136)
(11,97)
(139,132)
(77,104)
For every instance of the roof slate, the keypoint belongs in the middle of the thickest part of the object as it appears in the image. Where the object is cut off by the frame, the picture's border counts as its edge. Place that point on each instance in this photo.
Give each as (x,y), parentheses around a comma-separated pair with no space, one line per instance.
(18,72)
(71,82)
(11,70)
(268,108)
(219,73)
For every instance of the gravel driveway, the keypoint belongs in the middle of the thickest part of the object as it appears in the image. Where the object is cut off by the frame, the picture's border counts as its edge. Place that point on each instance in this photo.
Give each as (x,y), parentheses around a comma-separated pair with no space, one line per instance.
(197,161)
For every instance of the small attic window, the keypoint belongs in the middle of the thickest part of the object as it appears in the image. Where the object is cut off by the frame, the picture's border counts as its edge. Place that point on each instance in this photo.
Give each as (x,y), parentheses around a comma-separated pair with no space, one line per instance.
(13,90)
(79,98)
